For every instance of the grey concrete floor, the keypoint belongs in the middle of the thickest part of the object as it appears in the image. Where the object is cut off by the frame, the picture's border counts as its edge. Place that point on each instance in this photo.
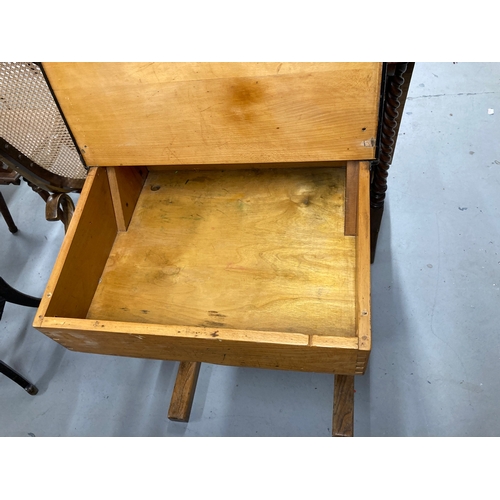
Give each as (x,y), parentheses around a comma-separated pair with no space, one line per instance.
(435,297)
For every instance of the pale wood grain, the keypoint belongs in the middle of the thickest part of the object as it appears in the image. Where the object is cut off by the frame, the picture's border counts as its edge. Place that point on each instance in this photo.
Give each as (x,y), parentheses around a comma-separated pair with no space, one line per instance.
(363,298)
(251,250)
(330,341)
(116,198)
(251,166)
(219,113)
(184,389)
(273,350)
(343,406)
(83,253)
(126,185)
(351,198)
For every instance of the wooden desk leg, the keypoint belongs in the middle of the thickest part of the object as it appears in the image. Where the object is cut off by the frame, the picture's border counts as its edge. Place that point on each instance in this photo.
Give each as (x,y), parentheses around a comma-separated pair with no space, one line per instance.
(183,394)
(343,406)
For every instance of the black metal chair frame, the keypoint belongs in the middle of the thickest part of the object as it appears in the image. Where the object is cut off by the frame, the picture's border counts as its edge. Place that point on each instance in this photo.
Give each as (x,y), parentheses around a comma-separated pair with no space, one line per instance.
(9,294)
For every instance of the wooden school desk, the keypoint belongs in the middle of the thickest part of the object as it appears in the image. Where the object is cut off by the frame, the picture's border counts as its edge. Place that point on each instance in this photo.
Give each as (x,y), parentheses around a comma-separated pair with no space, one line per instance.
(226,215)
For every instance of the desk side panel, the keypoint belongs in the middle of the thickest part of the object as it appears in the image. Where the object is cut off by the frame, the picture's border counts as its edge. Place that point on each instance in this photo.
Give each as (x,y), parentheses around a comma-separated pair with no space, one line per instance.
(83,254)
(363,291)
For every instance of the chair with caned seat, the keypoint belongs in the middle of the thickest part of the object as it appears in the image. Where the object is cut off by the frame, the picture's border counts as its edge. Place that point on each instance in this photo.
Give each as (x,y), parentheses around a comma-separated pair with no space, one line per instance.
(35,141)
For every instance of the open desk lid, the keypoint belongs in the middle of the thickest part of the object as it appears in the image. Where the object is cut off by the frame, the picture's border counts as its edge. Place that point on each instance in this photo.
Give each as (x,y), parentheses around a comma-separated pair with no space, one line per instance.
(219,113)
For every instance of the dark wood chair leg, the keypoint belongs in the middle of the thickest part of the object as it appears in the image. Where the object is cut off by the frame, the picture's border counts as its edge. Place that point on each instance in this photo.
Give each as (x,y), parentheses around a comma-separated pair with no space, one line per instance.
(18,379)
(398,83)
(343,406)
(184,388)
(4,210)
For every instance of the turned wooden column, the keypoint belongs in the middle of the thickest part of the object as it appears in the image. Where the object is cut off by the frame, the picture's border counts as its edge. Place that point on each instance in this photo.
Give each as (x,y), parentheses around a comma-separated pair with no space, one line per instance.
(396,90)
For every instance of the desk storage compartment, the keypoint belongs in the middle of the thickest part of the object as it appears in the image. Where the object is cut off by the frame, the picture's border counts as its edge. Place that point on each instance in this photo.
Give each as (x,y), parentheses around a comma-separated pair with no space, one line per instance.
(245,267)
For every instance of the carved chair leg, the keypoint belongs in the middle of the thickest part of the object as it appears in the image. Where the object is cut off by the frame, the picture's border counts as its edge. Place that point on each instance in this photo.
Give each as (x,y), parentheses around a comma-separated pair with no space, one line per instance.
(18,379)
(183,394)
(60,207)
(399,76)
(343,406)
(4,210)
(57,206)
